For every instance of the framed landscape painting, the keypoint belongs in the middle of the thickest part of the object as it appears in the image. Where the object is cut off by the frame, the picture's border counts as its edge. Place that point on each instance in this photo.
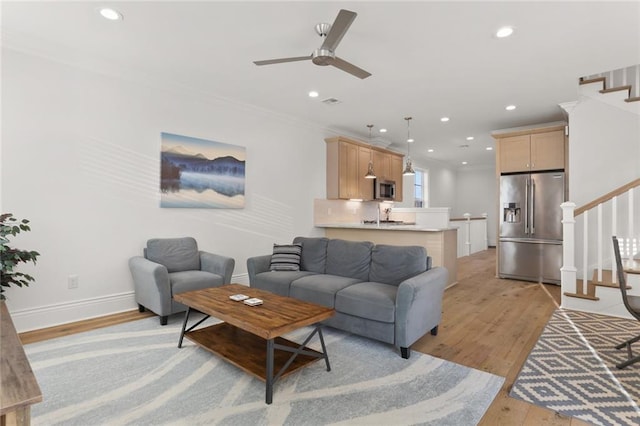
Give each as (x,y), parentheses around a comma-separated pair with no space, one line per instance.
(199,173)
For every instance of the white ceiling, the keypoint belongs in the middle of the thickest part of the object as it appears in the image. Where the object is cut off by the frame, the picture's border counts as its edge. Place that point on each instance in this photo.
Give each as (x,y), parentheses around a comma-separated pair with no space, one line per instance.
(428,59)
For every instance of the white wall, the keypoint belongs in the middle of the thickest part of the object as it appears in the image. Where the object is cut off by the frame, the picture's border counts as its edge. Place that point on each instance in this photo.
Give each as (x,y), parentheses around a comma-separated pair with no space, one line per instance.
(80,159)
(604,149)
(476,192)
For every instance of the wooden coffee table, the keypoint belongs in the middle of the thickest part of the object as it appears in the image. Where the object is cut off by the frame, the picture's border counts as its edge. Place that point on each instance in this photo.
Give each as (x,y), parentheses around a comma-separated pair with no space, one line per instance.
(250,336)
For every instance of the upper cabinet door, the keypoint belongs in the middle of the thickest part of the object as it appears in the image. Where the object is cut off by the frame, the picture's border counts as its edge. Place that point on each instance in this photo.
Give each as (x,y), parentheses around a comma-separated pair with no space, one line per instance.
(547,151)
(382,165)
(514,154)
(365,185)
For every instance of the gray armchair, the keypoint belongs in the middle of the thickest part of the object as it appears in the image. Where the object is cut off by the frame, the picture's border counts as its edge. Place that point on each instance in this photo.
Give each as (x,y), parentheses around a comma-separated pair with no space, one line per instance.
(171,266)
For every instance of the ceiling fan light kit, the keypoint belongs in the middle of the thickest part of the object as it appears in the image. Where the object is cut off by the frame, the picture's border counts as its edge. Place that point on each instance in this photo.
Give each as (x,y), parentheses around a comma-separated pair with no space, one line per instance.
(325,54)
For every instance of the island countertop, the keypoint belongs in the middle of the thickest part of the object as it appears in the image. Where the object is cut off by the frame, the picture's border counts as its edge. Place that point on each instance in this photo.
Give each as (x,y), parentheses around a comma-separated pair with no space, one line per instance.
(382,227)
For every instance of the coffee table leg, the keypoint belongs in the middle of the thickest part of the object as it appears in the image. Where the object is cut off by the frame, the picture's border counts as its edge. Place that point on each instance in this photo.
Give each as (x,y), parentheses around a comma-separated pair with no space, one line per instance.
(324,348)
(269,395)
(184,326)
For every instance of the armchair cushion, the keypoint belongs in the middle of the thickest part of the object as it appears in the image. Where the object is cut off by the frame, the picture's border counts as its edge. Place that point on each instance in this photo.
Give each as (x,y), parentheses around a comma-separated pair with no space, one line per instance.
(193,280)
(176,254)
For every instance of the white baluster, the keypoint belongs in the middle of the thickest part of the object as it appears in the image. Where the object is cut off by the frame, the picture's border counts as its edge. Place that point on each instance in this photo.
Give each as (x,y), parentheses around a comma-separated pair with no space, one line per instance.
(486,230)
(630,234)
(468,233)
(614,231)
(599,221)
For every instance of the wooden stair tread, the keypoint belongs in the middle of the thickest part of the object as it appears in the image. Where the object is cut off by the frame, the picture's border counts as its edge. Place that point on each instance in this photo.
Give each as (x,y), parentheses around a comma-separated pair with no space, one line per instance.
(593,80)
(607,279)
(617,89)
(581,296)
(633,99)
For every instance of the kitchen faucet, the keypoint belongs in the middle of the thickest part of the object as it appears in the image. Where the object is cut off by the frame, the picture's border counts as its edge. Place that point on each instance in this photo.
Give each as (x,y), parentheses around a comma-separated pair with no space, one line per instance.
(388,212)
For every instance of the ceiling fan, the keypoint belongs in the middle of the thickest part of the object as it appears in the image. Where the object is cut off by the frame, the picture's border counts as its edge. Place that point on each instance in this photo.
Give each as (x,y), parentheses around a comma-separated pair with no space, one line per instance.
(325,55)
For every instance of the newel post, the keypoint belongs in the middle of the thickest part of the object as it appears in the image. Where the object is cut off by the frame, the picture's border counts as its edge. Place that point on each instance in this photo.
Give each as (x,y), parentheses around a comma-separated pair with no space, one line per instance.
(468,234)
(568,271)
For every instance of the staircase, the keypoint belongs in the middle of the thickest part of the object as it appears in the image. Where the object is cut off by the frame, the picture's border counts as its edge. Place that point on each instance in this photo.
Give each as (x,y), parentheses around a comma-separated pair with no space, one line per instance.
(621,87)
(588,275)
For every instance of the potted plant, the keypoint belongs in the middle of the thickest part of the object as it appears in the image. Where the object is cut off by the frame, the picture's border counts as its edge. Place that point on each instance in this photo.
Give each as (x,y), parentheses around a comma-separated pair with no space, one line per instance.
(11,257)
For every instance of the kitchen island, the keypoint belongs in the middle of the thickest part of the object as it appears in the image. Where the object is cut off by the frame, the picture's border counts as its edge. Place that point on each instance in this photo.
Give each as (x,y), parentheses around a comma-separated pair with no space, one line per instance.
(440,243)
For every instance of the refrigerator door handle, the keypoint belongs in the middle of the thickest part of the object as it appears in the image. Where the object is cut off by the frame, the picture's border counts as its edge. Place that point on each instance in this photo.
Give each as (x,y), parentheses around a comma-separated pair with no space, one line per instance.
(526,207)
(533,206)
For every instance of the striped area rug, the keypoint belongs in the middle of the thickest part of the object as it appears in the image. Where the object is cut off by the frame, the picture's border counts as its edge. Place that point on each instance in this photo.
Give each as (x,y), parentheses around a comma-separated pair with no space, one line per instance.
(134,374)
(571,369)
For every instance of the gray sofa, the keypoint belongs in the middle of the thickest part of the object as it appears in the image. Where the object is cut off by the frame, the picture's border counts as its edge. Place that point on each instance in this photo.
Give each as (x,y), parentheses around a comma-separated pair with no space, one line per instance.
(388,293)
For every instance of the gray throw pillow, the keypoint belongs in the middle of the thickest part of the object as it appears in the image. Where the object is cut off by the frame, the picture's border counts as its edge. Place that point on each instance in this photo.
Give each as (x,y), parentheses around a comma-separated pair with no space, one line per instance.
(286,257)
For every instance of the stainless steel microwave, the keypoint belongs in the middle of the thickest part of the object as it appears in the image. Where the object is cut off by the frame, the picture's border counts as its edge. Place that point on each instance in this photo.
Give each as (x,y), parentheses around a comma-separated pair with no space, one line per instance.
(384,189)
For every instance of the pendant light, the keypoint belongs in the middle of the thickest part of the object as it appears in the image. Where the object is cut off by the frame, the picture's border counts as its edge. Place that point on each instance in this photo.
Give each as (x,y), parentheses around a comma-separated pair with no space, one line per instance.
(370,174)
(408,170)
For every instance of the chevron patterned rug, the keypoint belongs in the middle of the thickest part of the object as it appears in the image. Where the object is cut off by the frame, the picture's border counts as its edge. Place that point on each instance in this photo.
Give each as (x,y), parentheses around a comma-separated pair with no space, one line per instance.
(134,374)
(571,369)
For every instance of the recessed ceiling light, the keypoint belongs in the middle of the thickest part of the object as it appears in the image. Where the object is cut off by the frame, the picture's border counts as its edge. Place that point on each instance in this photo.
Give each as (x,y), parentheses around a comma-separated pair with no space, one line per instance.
(430,150)
(469,138)
(489,148)
(444,119)
(111,14)
(383,130)
(410,140)
(313,94)
(504,32)
(464,162)
(510,107)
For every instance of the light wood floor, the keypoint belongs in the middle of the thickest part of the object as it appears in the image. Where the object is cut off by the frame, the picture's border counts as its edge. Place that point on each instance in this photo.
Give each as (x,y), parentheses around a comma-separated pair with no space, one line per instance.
(488,324)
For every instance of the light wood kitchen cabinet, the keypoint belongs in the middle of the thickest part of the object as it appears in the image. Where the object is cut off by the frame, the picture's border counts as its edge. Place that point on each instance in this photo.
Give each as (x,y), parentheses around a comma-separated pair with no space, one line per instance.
(382,165)
(532,149)
(365,185)
(397,167)
(347,164)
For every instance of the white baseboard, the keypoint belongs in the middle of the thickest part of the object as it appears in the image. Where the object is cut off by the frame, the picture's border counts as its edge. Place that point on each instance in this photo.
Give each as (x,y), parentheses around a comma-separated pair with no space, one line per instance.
(78,310)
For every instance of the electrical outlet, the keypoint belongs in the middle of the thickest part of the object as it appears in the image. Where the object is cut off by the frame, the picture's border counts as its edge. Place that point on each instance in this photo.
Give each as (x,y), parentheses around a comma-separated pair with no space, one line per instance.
(329,211)
(73,281)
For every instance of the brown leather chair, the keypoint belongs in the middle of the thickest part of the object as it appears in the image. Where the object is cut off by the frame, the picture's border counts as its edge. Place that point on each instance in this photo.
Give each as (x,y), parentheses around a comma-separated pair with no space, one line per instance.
(632,303)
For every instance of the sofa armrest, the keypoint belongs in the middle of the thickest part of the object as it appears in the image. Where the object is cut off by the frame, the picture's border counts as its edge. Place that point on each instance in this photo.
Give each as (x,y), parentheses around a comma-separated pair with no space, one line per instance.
(419,305)
(258,264)
(217,264)
(151,283)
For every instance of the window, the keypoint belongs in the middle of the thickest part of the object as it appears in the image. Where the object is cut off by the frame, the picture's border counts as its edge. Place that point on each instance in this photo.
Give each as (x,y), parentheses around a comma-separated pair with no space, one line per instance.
(421,180)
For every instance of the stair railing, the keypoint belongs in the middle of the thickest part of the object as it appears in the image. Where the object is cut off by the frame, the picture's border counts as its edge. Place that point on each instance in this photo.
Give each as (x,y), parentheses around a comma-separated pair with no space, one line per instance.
(600,207)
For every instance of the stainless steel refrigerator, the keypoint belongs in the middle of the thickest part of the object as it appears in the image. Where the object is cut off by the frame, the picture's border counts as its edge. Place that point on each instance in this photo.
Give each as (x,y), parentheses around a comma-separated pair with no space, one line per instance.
(531,226)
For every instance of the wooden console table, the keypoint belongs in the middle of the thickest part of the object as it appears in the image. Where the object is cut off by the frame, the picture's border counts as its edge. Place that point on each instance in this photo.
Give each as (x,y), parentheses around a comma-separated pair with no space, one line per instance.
(18,386)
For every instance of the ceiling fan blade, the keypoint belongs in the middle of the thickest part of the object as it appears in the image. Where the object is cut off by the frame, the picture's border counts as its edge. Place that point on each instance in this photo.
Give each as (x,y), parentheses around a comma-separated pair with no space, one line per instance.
(338,29)
(350,68)
(278,61)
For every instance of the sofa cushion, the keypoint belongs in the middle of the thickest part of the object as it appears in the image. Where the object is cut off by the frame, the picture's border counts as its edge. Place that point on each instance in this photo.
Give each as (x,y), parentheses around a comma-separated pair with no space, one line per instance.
(193,280)
(370,300)
(176,254)
(314,254)
(320,289)
(277,282)
(394,264)
(349,259)
(286,257)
